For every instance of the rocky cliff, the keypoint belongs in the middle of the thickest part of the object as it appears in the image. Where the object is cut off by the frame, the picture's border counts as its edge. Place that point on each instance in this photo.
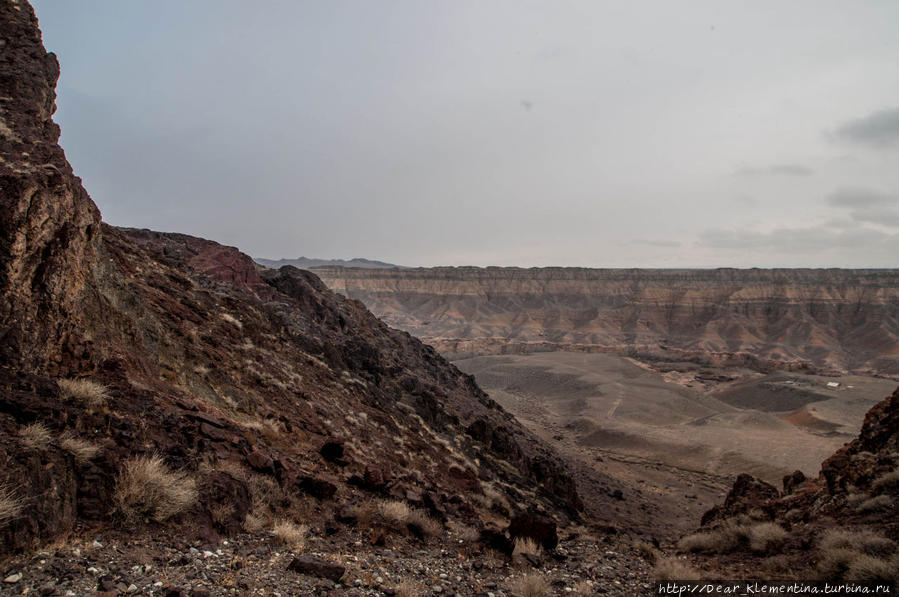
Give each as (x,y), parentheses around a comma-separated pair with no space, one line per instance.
(780,319)
(118,344)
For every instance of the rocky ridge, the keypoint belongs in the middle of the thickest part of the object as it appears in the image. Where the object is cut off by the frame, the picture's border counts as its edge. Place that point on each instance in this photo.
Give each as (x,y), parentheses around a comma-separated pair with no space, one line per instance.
(259,391)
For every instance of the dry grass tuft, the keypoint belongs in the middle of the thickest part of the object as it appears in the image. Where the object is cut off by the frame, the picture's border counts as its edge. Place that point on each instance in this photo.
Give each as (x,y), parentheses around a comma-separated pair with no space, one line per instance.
(35,436)
(10,505)
(674,569)
(647,551)
(83,450)
(864,541)
(868,568)
(394,511)
(290,534)
(857,555)
(887,482)
(701,542)
(525,546)
(400,514)
(734,534)
(146,487)
(767,538)
(530,585)
(90,393)
(834,562)
(881,502)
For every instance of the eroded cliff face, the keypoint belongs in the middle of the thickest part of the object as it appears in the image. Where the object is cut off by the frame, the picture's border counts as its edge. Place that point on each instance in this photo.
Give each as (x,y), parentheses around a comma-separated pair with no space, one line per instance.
(49,225)
(779,319)
(227,374)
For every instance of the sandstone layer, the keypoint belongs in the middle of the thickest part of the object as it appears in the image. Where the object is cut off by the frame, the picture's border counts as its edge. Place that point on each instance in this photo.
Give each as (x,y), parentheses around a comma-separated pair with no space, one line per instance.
(792,319)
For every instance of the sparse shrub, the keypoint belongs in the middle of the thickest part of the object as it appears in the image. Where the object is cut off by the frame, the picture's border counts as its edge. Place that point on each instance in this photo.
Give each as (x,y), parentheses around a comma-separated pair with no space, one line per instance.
(427,525)
(862,541)
(834,562)
(232,320)
(647,551)
(253,523)
(394,511)
(674,569)
(83,450)
(90,393)
(767,537)
(400,514)
(146,487)
(35,436)
(364,514)
(525,546)
(10,505)
(701,542)
(290,534)
(530,585)
(469,534)
(868,568)
(887,482)
(880,502)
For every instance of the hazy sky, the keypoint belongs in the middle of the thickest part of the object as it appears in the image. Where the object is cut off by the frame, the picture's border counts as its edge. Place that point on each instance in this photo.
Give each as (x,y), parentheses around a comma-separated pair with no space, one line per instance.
(607,134)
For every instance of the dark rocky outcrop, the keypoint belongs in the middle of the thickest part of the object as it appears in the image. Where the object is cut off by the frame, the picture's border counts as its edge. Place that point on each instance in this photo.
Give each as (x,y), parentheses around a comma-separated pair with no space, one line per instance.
(207,362)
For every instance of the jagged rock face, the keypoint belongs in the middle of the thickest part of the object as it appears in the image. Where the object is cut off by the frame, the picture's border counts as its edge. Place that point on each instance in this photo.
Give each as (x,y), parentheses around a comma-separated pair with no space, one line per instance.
(786,319)
(48,222)
(847,479)
(873,453)
(207,362)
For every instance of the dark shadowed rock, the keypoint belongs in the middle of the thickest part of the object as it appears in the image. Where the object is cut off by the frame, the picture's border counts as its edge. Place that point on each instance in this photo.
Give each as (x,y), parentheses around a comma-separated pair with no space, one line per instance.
(318,567)
(537,526)
(792,481)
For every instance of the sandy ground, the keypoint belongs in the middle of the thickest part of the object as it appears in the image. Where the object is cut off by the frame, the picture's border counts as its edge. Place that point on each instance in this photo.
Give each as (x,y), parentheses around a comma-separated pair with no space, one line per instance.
(675,437)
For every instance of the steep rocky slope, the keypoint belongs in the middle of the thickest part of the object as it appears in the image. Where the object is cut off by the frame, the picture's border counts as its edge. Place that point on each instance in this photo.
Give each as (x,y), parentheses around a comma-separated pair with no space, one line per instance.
(842,525)
(247,386)
(770,319)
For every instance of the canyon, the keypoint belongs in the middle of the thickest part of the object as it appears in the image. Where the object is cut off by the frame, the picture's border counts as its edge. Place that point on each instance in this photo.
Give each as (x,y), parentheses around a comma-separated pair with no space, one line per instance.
(178,420)
(791,319)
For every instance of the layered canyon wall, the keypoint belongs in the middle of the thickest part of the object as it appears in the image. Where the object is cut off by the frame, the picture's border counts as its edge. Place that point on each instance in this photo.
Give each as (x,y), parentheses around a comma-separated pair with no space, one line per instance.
(813,319)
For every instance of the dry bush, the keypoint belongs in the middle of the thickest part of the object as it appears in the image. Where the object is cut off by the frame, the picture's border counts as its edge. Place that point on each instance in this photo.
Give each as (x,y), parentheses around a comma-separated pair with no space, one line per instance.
(731,535)
(887,482)
(232,320)
(864,541)
(10,505)
(468,534)
(146,487)
(868,568)
(834,562)
(35,436)
(530,585)
(90,393)
(526,546)
(364,513)
(881,502)
(290,534)
(767,537)
(674,569)
(83,450)
(429,527)
(647,551)
(394,511)
(698,542)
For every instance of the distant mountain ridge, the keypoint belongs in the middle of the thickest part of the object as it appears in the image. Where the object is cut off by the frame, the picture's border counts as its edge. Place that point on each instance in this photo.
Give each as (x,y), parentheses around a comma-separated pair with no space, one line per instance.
(311,262)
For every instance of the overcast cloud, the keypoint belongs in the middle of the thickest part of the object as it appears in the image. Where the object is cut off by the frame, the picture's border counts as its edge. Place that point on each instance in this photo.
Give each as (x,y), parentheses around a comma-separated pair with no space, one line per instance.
(605,134)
